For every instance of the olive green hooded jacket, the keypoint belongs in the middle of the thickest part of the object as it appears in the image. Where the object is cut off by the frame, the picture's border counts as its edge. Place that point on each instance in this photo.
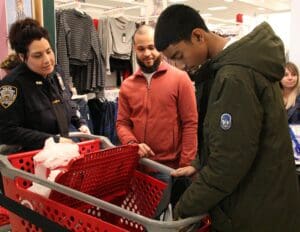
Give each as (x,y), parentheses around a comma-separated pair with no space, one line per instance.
(247,179)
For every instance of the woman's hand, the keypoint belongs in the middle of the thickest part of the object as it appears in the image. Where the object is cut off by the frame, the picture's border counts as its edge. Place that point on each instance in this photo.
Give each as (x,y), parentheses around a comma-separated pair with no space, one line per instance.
(65,140)
(84,129)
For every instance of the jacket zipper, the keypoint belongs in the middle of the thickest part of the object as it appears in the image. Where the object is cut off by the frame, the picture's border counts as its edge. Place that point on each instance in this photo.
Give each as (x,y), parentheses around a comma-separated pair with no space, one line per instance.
(147,108)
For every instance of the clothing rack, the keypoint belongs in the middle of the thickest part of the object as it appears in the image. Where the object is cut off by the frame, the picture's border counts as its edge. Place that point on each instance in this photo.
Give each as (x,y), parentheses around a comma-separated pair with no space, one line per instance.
(106,10)
(130,2)
(122,9)
(82,4)
(99,11)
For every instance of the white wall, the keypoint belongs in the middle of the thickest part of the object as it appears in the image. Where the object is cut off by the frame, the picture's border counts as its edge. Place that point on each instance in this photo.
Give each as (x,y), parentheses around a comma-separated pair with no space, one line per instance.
(280,22)
(294,52)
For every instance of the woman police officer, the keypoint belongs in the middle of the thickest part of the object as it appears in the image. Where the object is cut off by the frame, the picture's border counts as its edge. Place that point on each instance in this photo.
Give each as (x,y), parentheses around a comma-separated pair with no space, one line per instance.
(34,100)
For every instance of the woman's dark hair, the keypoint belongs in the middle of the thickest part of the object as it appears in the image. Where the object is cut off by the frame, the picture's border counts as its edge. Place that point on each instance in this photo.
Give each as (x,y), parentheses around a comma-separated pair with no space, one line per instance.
(175,24)
(23,32)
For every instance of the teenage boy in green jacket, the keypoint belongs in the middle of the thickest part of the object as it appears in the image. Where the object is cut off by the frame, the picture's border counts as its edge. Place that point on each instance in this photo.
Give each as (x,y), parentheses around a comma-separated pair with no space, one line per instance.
(246,175)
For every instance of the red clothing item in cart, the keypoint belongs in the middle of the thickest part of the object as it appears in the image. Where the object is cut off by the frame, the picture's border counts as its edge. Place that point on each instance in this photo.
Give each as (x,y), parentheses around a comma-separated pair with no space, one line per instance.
(162,114)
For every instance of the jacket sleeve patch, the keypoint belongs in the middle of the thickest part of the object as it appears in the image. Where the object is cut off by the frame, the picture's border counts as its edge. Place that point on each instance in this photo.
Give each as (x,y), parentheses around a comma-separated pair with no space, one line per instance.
(225,121)
(8,95)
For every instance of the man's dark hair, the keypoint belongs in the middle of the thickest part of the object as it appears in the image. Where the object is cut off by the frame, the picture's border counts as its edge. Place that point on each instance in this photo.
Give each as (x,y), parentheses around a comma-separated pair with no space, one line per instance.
(23,32)
(175,24)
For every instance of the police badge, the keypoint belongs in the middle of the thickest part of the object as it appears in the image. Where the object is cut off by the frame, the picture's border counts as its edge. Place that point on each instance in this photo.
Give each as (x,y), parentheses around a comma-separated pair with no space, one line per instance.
(8,95)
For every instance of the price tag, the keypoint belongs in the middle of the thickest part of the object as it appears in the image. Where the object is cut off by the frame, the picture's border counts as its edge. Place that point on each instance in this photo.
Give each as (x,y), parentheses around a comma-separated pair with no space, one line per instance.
(124,38)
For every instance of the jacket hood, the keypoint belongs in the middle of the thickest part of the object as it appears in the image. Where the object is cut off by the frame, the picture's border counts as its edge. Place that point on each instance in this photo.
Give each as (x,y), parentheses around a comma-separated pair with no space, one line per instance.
(260,50)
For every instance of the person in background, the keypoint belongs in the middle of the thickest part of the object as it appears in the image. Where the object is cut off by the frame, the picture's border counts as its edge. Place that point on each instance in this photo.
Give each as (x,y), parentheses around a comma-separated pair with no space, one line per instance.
(157,108)
(9,63)
(20,14)
(290,90)
(34,101)
(245,172)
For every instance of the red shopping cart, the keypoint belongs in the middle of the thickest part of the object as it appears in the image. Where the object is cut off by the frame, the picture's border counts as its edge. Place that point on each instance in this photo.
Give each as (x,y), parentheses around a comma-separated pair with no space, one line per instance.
(4,219)
(100,191)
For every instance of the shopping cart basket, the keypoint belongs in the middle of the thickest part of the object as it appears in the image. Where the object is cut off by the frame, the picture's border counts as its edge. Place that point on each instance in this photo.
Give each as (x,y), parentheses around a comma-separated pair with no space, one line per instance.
(4,219)
(127,205)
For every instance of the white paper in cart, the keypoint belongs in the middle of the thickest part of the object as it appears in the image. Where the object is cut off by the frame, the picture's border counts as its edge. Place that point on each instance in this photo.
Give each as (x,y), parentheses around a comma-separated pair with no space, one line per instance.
(49,162)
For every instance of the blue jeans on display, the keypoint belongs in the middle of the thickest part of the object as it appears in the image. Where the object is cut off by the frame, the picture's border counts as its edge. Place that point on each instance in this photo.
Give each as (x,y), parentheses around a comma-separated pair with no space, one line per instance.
(84,112)
(103,114)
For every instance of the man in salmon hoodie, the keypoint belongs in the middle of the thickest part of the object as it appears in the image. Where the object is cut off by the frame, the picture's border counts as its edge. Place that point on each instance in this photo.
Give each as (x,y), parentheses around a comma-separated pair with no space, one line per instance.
(157,107)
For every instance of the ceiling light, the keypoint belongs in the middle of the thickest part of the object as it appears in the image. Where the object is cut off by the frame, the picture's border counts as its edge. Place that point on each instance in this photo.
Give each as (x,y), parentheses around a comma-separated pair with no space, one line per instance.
(261,8)
(206,15)
(228,0)
(216,8)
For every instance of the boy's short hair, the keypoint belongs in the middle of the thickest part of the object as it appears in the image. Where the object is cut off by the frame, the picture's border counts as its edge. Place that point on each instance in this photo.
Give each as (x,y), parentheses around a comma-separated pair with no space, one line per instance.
(175,24)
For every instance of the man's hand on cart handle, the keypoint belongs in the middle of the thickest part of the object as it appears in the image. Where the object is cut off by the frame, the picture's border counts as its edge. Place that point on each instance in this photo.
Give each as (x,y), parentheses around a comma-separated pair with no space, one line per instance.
(185,171)
(145,150)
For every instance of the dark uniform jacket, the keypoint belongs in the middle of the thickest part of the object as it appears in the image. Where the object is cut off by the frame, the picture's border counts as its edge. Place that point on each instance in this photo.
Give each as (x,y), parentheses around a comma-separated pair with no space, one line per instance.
(294,112)
(246,179)
(34,108)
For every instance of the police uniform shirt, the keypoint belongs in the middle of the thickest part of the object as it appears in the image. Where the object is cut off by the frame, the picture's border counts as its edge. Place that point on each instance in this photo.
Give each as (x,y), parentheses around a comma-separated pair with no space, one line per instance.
(33,108)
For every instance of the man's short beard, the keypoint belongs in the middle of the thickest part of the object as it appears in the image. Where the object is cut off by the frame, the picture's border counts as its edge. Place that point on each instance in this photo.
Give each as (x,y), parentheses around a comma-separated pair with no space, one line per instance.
(151,69)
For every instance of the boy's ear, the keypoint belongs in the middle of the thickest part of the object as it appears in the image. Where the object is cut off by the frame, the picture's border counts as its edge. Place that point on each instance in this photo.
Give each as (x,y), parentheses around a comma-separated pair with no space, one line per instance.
(198,34)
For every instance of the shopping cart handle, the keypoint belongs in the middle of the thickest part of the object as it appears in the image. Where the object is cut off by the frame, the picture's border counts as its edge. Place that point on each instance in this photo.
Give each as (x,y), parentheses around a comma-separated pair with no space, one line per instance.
(150,224)
(5,167)
(157,166)
(105,142)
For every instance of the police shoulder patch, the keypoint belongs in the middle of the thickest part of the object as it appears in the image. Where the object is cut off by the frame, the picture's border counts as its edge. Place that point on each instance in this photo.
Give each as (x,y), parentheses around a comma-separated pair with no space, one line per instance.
(225,121)
(8,95)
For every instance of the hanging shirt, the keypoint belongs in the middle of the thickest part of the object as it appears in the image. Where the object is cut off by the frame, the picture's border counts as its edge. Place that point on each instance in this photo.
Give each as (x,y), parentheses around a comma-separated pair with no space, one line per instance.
(116,39)
(78,44)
